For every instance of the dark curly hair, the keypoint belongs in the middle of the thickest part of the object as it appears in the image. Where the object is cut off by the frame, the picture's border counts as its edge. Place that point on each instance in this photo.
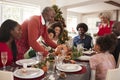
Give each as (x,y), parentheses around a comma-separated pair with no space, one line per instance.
(57,24)
(82,25)
(51,31)
(107,42)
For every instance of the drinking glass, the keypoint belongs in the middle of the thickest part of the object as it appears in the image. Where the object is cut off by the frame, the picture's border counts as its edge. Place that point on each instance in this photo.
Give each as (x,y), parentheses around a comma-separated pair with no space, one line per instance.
(51,70)
(69,43)
(39,56)
(4,57)
(80,46)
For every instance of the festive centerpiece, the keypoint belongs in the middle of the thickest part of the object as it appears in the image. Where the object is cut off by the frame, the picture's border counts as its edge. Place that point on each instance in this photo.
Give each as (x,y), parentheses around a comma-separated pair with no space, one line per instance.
(45,63)
(75,53)
(42,65)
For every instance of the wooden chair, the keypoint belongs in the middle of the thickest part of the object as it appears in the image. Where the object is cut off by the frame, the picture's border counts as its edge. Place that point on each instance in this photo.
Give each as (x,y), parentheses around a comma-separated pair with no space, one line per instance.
(113,74)
(5,75)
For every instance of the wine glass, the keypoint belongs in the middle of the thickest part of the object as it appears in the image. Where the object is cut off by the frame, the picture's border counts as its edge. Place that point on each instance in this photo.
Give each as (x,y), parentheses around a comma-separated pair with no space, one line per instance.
(4,57)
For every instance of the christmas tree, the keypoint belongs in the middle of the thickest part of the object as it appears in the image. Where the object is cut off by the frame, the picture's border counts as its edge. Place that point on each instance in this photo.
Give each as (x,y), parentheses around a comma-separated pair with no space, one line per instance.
(58,17)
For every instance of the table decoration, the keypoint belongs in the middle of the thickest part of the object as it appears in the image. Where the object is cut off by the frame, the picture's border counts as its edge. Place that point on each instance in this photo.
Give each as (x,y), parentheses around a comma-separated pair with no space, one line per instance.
(72,55)
(46,63)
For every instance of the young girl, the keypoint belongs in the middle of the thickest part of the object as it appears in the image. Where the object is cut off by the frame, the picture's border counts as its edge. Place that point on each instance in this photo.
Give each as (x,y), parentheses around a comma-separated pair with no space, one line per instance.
(103,60)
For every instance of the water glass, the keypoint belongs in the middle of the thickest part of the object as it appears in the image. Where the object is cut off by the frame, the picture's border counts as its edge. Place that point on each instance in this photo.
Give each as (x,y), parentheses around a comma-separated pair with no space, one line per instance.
(69,43)
(59,60)
(39,56)
(80,46)
(4,58)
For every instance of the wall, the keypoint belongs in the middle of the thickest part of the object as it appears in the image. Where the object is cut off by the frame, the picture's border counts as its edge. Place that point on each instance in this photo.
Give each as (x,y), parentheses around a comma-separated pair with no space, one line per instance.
(79,16)
(93,18)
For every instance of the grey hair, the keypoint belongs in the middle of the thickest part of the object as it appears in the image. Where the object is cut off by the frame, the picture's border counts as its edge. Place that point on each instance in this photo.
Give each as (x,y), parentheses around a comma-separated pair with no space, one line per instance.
(47,9)
(105,14)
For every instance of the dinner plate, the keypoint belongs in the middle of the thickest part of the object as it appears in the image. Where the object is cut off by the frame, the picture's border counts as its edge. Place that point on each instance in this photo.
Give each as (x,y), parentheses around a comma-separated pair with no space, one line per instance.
(86,58)
(30,73)
(29,62)
(69,67)
(88,52)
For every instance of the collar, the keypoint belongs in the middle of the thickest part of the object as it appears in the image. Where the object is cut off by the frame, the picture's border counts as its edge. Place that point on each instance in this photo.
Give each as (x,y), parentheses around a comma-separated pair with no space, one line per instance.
(42,20)
(84,37)
(80,37)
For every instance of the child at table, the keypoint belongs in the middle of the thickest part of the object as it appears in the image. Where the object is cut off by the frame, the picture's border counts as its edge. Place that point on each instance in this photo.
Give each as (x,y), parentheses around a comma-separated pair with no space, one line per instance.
(103,59)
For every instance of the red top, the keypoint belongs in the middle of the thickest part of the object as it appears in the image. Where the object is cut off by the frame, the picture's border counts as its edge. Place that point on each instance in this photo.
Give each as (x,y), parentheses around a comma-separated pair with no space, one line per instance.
(4,47)
(32,29)
(105,29)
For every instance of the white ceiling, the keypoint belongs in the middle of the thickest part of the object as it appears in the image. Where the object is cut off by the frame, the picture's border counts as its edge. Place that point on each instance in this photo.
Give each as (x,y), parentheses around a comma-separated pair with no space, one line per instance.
(97,7)
(87,6)
(79,6)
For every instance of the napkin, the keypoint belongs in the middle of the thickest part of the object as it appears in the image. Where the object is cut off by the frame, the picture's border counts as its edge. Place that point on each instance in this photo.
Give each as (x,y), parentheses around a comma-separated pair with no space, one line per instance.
(5,75)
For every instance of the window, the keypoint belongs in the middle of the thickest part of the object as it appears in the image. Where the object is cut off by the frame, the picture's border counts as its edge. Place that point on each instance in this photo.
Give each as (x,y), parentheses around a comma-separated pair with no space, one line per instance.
(71,25)
(29,11)
(91,22)
(17,12)
(11,12)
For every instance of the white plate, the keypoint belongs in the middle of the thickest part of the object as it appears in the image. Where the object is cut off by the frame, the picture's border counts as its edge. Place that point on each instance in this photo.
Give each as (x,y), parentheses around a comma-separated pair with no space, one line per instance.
(87,58)
(69,67)
(29,62)
(30,73)
(88,52)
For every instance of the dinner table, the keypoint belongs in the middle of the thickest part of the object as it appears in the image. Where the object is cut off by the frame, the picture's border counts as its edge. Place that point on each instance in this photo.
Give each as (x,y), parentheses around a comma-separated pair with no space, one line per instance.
(56,73)
(83,74)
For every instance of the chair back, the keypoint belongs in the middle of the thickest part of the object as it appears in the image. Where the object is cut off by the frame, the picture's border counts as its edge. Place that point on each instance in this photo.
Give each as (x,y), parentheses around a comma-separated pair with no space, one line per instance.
(93,72)
(113,74)
(5,75)
(118,63)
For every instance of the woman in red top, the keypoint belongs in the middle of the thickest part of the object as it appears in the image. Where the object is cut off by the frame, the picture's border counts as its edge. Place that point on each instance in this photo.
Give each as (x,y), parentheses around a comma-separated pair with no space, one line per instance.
(9,31)
(106,24)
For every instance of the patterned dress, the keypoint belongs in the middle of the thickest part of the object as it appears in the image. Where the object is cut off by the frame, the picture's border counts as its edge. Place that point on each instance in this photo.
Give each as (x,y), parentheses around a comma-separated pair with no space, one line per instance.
(101,62)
